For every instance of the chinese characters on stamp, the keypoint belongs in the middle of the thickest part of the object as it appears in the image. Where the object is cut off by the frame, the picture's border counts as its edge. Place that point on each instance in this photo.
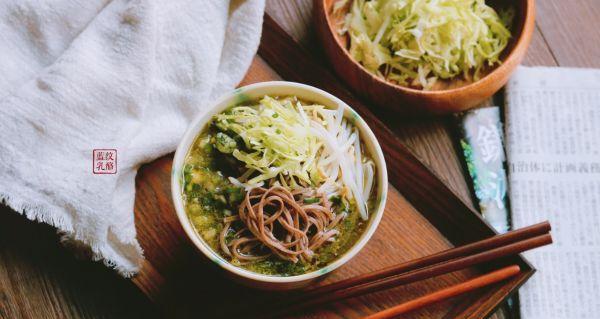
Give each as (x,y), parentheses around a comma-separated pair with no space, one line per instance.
(104,161)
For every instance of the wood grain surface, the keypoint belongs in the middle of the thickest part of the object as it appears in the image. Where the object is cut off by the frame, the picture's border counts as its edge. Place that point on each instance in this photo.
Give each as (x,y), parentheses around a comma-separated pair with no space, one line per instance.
(215,289)
(40,279)
(173,270)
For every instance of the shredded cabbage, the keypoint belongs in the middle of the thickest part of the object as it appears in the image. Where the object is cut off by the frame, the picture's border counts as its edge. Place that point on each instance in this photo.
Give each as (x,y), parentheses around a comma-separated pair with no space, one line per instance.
(296,145)
(417,42)
(276,140)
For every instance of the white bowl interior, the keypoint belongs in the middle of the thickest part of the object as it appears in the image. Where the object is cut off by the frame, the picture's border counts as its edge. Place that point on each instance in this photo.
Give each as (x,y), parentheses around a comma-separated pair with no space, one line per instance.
(253,92)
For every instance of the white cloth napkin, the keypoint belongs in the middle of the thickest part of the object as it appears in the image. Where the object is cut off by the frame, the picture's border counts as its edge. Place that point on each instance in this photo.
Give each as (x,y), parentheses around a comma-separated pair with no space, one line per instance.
(127,75)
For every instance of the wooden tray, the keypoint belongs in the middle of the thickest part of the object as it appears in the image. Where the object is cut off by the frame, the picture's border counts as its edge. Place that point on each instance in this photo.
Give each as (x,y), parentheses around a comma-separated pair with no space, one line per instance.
(422,216)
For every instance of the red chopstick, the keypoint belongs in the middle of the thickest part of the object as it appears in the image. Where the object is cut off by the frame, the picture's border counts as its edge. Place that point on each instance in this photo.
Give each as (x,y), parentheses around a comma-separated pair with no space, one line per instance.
(453,291)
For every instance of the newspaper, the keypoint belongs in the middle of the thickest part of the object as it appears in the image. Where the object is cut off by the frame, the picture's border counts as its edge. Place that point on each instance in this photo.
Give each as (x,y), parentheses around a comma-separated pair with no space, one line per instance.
(553,153)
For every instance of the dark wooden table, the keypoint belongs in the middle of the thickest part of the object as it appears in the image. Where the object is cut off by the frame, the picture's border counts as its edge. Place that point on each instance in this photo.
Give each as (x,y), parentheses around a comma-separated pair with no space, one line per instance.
(39,278)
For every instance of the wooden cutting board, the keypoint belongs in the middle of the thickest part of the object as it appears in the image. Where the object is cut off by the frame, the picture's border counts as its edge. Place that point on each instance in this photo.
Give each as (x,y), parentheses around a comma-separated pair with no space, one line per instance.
(422,216)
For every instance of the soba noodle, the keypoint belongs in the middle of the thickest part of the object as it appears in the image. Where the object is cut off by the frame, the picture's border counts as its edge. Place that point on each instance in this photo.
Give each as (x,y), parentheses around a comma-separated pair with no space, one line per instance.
(283,222)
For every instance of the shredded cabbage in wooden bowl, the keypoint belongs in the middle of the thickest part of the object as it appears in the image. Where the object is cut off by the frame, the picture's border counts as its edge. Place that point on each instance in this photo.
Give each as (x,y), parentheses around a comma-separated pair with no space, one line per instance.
(417,42)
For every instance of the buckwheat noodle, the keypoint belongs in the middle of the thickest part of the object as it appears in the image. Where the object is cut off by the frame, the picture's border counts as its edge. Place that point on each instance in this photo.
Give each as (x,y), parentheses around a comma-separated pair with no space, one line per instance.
(276,221)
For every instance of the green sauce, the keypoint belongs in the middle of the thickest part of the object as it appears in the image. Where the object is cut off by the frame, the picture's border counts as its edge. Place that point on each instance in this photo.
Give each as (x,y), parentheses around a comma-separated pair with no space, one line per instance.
(209,197)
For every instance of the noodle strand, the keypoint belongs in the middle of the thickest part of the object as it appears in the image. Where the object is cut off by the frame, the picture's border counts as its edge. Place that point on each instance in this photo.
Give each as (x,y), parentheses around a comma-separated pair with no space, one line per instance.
(276,221)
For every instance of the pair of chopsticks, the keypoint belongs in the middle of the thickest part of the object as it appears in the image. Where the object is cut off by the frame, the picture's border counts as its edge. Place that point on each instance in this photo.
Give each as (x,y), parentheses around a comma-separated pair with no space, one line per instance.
(508,244)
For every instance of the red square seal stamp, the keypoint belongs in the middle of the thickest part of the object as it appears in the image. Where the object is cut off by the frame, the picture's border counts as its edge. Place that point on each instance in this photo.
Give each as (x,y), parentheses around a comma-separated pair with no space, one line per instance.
(104,161)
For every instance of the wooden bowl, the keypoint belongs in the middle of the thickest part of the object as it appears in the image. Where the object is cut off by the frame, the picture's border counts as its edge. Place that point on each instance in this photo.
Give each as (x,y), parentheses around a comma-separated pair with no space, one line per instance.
(447,96)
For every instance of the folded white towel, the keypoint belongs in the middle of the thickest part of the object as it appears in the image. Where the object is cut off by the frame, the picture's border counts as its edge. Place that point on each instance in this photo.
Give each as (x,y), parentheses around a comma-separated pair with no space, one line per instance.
(127,75)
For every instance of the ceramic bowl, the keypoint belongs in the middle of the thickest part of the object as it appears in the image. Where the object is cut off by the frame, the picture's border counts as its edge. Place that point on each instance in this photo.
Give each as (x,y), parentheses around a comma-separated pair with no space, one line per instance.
(448,96)
(249,93)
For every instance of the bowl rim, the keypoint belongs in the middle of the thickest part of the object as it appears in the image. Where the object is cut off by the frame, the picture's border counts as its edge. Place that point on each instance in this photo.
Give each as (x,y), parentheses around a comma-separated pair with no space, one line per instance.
(229,99)
(521,43)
